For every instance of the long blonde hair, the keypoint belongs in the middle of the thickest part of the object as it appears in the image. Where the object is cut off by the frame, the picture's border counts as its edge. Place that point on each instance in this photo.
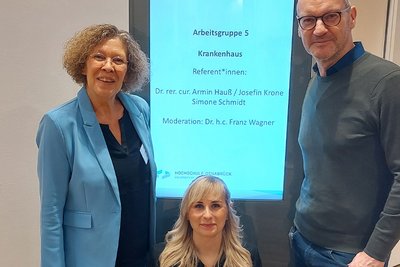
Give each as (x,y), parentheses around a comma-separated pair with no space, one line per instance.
(180,251)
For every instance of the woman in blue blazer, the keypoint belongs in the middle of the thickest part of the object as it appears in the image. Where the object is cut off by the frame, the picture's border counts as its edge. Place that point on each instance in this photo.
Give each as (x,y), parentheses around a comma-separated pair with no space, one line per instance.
(95,162)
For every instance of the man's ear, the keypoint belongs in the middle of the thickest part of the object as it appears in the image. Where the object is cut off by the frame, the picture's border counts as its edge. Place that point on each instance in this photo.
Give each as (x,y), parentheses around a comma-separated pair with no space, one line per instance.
(353,16)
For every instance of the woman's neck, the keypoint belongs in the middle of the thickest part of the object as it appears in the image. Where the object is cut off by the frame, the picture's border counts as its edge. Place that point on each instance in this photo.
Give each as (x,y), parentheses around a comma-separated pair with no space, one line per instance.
(108,112)
(208,249)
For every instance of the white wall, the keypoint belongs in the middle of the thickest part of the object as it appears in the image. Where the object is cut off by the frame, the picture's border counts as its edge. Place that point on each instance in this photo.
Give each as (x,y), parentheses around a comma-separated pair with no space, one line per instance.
(370,24)
(393,37)
(32,81)
(393,53)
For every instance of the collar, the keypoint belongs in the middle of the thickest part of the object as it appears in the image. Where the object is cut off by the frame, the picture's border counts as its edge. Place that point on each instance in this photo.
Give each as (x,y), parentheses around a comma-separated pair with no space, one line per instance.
(349,58)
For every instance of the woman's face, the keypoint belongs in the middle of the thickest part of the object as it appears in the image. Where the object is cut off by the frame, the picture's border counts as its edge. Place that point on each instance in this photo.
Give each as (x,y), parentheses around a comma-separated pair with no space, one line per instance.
(105,69)
(208,216)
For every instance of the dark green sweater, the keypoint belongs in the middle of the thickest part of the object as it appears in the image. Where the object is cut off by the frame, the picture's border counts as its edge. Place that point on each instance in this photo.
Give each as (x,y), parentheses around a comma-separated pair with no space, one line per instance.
(350,141)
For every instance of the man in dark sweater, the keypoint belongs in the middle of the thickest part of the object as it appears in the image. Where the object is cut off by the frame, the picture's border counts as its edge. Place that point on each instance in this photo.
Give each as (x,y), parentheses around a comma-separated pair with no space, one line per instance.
(348,212)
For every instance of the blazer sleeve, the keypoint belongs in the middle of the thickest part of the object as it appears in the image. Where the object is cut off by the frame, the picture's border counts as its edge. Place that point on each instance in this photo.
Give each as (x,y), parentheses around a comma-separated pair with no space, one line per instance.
(54,173)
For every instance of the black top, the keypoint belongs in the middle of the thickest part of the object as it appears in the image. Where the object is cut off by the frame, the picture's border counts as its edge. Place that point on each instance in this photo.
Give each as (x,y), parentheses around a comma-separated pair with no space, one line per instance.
(133,176)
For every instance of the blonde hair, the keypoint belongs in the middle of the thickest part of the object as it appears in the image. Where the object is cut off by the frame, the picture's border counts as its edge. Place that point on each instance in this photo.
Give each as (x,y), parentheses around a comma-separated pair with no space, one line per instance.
(80,46)
(180,251)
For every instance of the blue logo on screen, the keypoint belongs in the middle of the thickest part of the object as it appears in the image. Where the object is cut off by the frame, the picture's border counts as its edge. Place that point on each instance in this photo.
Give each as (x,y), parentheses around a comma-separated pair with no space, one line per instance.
(163,174)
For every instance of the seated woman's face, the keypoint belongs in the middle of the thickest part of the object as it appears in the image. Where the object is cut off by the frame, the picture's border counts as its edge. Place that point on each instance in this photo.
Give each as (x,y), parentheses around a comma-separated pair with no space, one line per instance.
(208,215)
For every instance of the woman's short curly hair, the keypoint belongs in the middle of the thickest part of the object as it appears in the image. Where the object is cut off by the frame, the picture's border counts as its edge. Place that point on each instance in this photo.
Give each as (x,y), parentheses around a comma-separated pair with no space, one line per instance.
(80,46)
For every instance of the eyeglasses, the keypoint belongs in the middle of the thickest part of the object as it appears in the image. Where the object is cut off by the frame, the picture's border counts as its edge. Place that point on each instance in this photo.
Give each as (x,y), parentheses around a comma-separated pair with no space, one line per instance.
(329,19)
(102,59)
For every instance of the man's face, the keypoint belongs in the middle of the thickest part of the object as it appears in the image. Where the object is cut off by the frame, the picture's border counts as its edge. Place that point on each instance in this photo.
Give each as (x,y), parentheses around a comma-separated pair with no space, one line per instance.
(327,44)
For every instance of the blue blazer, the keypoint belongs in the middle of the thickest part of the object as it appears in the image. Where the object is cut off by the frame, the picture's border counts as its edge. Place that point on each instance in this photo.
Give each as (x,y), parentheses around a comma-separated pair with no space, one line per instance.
(80,204)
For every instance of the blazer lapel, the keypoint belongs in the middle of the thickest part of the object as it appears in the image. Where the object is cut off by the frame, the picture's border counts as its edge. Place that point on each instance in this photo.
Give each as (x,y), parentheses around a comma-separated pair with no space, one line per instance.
(138,122)
(93,131)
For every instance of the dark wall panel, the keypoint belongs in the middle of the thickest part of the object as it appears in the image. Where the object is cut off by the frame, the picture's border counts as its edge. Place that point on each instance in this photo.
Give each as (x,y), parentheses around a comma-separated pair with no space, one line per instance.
(265,222)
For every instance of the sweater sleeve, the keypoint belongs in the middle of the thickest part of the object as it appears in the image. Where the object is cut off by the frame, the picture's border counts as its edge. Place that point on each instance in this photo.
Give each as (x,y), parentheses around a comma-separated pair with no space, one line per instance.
(387,102)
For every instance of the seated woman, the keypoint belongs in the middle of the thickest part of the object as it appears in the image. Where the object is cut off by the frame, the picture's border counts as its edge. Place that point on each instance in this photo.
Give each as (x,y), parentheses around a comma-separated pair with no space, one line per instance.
(207,232)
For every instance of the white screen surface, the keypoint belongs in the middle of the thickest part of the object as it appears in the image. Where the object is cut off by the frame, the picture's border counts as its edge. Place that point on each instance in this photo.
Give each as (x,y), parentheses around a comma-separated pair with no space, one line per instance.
(219,91)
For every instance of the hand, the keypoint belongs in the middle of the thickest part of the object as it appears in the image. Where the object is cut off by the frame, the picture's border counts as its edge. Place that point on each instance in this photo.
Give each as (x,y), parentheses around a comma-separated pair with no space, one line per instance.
(362,259)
